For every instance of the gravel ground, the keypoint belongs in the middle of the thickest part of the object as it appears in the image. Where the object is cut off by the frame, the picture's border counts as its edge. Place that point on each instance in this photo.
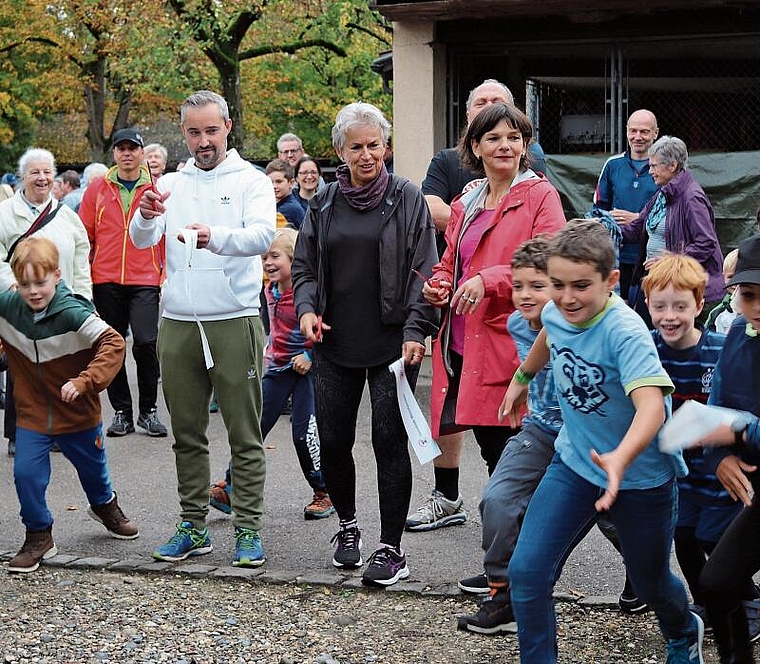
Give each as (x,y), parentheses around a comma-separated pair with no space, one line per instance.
(67,616)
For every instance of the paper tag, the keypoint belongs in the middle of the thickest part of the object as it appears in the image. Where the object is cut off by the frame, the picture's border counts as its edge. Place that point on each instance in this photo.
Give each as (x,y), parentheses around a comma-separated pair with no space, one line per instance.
(692,422)
(415,423)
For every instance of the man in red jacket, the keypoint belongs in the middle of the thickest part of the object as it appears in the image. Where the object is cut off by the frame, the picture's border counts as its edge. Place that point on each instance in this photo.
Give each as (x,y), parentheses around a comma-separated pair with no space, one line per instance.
(126,280)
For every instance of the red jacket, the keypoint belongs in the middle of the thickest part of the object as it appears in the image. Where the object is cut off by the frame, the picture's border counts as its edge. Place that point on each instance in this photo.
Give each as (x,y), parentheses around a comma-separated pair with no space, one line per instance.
(489,358)
(113,257)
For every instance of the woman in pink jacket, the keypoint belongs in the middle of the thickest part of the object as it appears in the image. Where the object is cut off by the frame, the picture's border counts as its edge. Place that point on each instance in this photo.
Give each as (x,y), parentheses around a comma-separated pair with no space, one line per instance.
(474,357)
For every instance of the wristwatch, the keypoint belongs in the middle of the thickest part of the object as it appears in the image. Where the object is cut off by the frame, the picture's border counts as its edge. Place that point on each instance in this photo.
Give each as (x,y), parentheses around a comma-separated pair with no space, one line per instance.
(739,426)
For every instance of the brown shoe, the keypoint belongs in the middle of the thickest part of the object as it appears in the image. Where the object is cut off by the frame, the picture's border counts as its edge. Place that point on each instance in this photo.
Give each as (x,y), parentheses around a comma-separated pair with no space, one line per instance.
(113,519)
(320,507)
(38,545)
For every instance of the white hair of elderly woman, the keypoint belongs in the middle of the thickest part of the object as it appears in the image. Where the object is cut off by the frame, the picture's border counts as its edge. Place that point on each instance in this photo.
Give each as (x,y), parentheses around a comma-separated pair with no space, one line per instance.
(358,114)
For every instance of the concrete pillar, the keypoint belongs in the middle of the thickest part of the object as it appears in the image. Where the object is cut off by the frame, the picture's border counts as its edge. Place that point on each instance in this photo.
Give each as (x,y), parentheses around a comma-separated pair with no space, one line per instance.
(419,98)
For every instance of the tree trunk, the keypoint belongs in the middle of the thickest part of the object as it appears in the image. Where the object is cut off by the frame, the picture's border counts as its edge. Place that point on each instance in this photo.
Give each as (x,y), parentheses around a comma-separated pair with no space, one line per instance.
(94,94)
(229,76)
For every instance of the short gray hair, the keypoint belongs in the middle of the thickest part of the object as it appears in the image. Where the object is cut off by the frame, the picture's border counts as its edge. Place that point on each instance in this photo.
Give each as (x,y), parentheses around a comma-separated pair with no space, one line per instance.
(92,172)
(286,138)
(358,114)
(670,149)
(204,98)
(489,81)
(157,147)
(35,154)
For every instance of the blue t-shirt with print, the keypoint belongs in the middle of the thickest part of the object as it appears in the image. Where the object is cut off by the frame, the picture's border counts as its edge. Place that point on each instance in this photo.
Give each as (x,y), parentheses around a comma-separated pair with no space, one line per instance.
(543,406)
(596,366)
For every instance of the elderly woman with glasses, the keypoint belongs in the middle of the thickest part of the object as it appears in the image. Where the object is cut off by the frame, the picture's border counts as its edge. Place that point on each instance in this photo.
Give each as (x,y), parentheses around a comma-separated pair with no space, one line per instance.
(677,219)
(358,297)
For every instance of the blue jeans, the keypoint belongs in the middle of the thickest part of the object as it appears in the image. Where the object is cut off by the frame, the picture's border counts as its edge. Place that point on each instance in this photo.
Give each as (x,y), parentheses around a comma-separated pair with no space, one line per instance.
(559,516)
(507,494)
(31,470)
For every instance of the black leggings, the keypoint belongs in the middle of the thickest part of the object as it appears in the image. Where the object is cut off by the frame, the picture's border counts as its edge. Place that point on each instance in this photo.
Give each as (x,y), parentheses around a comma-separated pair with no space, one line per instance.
(723,583)
(338,395)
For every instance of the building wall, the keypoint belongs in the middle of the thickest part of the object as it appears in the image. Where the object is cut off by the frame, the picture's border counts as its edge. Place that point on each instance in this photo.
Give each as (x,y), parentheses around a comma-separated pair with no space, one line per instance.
(419,98)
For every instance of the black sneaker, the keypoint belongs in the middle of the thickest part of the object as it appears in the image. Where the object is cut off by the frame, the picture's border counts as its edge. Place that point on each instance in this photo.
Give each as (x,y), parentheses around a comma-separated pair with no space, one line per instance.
(752,611)
(494,616)
(475,585)
(385,567)
(150,423)
(348,548)
(121,424)
(629,601)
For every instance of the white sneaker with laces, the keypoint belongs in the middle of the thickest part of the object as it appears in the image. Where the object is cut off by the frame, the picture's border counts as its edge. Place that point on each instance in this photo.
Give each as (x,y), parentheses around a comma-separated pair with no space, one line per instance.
(437,512)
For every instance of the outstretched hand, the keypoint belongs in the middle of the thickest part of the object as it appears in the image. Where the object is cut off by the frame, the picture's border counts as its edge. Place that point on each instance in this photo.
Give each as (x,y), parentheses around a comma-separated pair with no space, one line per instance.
(611,464)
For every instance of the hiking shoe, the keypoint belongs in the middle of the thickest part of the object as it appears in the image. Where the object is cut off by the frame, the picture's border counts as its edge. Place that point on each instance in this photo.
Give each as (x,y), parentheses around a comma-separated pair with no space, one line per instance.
(37,546)
(151,425)
(701,611)
(186,542)
(348,548)
(320,507)
(629,601)
(385,567)
(121,424)
(687,650)
(475,585)
(437,512)
(494,616)
(114,520)
(752,611)
(219,497)
(248,549)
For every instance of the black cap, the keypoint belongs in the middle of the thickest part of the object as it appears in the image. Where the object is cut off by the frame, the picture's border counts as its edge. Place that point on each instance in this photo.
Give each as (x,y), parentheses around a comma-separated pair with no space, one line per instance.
(748,263)
(131,135)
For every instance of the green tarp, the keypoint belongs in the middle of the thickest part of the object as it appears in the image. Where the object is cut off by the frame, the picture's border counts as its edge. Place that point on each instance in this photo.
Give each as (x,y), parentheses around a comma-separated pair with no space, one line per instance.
(731,180)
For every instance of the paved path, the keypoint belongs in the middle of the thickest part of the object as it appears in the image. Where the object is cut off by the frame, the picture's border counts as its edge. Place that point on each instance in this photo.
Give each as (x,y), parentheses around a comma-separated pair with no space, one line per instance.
(144,476)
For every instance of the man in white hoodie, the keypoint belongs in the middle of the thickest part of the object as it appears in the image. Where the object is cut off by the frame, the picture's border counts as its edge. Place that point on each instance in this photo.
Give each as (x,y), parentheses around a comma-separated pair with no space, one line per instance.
(218,216)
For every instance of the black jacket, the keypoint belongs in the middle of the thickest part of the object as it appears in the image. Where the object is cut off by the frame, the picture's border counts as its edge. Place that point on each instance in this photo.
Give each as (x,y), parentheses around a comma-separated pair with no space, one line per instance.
(407,241)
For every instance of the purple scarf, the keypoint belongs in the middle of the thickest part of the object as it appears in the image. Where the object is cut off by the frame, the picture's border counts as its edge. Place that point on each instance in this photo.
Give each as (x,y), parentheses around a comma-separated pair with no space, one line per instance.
(367,197)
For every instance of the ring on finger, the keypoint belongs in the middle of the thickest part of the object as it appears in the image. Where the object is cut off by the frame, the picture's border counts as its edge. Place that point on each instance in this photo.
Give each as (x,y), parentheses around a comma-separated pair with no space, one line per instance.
(464,297)
(472,299)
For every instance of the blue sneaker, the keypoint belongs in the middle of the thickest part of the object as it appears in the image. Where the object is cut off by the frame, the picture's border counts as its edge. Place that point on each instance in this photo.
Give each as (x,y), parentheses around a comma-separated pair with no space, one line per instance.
(688,650)
(186,542)
(248,549)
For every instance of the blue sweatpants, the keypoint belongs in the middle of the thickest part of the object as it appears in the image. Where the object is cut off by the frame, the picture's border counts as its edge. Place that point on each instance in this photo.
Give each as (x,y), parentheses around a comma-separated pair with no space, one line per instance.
(31,470)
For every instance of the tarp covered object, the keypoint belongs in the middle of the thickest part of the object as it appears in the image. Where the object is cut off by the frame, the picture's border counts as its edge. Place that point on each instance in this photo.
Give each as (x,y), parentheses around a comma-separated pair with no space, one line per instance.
(731,180)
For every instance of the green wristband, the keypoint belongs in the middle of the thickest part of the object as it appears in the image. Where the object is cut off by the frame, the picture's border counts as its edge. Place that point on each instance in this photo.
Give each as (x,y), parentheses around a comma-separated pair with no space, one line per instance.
(523,377)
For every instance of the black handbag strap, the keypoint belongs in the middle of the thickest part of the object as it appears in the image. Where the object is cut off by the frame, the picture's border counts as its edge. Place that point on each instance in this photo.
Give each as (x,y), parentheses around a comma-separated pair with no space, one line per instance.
(44,218)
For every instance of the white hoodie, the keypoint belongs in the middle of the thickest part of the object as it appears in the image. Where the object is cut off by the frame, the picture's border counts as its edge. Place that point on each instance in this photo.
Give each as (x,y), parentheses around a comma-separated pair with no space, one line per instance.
(223,280)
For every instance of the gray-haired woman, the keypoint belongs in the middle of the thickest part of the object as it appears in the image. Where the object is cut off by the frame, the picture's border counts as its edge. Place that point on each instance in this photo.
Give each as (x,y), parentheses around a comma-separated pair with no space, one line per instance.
(33,210)
(361,245)
(678,218)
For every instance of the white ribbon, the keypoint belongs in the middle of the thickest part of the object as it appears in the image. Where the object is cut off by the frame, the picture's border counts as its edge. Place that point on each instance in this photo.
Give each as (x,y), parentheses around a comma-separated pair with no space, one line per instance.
(190,236)
(415,423)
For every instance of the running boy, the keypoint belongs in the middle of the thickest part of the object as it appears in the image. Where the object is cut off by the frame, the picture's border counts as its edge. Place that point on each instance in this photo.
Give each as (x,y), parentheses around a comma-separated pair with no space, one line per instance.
(674,291)
(288,362)
(736,384)
(62,356)
(526,456)
(612,391)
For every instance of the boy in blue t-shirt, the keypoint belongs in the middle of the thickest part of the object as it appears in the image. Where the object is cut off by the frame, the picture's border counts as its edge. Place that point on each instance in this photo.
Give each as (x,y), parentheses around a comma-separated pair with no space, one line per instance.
(611,388)
(524,460)
(674,290)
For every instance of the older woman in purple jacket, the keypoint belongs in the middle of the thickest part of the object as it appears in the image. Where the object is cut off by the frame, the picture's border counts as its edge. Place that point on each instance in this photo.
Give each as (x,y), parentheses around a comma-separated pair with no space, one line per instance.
(677,219)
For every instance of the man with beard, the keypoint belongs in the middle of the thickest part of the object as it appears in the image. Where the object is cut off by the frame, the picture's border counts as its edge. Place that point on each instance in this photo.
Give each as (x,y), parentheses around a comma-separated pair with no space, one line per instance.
(217,216)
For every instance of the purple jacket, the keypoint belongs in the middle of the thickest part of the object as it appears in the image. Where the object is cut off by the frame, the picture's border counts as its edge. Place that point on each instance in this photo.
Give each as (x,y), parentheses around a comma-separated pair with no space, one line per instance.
(689,229)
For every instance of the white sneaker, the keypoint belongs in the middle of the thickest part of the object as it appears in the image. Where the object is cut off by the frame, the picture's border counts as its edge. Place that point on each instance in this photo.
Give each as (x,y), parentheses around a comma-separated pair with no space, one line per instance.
(437,512)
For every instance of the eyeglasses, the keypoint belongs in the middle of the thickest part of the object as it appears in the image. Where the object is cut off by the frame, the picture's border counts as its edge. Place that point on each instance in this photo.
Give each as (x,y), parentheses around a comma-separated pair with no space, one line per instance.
(296,151)
(308,173)
(656,164)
